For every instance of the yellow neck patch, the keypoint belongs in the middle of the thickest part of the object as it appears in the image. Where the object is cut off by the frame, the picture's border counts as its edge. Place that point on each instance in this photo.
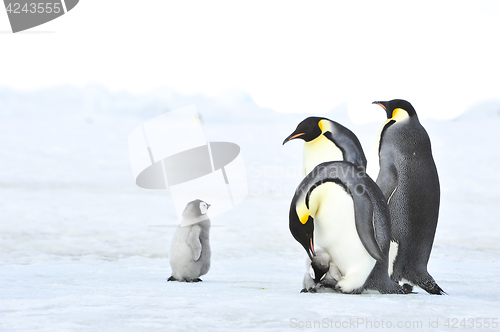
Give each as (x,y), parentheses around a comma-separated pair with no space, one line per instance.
(399,114)
(302,211)
(325,126)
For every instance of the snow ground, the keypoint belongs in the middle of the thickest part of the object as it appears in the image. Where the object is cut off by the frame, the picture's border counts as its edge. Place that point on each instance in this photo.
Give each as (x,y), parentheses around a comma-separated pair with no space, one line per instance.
(83,249)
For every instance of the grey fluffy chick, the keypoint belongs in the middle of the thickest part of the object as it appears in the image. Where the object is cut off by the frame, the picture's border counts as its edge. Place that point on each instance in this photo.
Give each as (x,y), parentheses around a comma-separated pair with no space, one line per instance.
(190,248)
(321,274)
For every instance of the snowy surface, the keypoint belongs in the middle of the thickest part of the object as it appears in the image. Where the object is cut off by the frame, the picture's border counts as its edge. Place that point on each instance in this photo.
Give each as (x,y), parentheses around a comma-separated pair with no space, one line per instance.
(83,249)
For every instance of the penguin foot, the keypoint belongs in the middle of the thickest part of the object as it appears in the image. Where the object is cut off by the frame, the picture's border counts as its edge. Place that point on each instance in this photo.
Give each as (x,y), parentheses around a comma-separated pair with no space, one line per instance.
(313,290)
(391,287)
(328,283)
(432,289)
(310,290)
(186,280)
(408,288)
(427,283)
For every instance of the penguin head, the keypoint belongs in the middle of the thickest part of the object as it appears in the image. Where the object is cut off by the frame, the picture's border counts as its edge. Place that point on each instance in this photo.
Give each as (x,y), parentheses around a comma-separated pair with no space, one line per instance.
(196,208)
(397,108)
(344,139)
(302,229)
(204,207)
(308,130)
(319,268)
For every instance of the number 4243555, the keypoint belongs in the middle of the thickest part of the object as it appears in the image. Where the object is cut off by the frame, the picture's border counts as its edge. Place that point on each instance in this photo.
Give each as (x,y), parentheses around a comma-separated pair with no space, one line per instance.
(49,8)
(472,323)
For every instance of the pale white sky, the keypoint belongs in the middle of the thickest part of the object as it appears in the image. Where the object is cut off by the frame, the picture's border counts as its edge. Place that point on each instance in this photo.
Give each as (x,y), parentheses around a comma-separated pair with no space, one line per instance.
(292,56)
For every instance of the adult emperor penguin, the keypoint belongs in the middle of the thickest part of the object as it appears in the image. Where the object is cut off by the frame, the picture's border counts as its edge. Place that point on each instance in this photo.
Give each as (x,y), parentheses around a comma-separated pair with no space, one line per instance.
(342,210)
(327,140)
(409,180)
(190,248)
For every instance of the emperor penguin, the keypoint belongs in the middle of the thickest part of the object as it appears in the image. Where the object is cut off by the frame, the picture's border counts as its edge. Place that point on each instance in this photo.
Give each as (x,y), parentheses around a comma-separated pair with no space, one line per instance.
(321,274)
(190,248)
(409,181)
(327,140)
(341,209)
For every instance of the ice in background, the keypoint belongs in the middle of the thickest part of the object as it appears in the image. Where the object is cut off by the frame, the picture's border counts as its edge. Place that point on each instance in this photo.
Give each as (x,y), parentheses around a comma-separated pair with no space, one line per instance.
(83,248)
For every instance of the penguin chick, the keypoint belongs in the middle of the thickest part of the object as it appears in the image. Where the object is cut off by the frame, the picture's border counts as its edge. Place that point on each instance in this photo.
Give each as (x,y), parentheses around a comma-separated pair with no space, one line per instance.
(409,181)
(190,248)
(321,274)
(327,140)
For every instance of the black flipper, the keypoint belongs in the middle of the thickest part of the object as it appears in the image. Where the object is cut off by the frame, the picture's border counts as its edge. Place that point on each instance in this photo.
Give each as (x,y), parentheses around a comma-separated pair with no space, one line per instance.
(387,180)
(364,225)
(329,283)
(381,215)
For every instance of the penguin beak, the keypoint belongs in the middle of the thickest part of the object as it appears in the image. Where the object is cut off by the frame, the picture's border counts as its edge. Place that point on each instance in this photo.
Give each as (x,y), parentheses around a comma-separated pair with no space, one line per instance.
(310,252)
(382,104)
(208,205)
(292,136)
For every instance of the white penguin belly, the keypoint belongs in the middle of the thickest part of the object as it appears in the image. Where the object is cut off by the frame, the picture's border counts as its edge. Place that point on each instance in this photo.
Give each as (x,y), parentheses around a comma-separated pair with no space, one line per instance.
(319,151)
(393,253)
(335,231)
